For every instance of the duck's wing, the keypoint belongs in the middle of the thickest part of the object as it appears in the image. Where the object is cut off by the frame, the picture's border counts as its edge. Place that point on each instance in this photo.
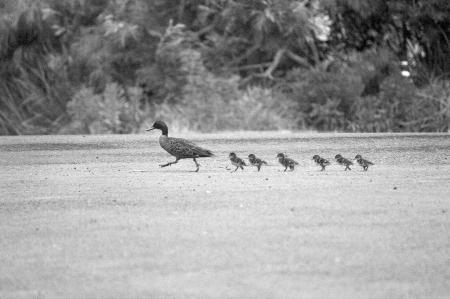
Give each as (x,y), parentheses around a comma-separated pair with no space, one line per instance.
(241,162)
(291,161)
(347,161)
(234,161)
(368,162)
(183,148)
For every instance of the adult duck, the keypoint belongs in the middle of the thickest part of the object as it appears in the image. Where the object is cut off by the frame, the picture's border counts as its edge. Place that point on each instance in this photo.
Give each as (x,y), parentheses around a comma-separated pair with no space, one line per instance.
(178,147)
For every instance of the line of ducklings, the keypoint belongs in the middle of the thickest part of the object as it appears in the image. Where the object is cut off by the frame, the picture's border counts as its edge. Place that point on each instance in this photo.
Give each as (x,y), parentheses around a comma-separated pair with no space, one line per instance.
(290,163)
(184,149)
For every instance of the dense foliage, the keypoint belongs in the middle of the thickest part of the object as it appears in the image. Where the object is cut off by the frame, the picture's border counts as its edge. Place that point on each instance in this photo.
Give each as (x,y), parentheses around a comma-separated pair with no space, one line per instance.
(99,66)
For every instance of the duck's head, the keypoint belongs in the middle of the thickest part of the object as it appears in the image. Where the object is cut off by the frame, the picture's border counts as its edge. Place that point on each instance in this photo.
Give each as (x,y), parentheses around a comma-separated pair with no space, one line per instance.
(251,156)
(316,157)
(280,155)
(232,155)
(160,125)
(357,157)
(338,156)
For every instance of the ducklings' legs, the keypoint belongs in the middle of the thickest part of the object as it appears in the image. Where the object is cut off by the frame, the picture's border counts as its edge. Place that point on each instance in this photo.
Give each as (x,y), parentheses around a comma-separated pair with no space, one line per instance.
(169,163)
(196,164)
(323,167)
(286,168)
(258,166)
(347,167)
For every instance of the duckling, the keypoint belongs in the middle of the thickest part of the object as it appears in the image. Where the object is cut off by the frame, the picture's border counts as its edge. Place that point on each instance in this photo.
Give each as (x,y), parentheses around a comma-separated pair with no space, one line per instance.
(363,162)
(343,161)
(256,161)
(321,161)
(286,162)
(236,161)
(178,147)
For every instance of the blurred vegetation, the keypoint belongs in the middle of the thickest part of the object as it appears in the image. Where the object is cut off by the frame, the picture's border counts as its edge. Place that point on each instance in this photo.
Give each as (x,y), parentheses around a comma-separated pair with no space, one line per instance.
(99,66)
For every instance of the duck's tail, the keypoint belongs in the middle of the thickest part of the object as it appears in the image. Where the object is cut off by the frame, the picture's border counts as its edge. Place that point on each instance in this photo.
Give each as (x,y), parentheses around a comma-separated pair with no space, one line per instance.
(205,153)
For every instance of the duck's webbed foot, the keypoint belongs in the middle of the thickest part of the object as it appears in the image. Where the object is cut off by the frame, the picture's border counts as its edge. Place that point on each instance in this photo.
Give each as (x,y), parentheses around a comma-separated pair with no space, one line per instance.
(169,163)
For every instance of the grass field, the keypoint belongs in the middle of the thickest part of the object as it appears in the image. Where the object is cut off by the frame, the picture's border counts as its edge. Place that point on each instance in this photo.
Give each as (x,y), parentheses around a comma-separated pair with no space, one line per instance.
(95,217)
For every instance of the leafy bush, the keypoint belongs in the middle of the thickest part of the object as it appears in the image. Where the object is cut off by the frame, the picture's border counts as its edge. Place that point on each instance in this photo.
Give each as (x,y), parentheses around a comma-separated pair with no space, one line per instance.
(330,98)
(105,113)
(211,103)
(430,109)
(32,97)
(401,106)
(74,66)
(323,98)
(261,109)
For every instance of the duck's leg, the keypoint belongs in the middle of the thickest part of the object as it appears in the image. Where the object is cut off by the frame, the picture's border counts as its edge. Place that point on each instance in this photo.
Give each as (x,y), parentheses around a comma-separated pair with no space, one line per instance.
(169,163)
(196,164)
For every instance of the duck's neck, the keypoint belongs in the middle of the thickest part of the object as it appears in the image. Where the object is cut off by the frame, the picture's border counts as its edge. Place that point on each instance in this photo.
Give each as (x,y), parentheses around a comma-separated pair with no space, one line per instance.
(165,132)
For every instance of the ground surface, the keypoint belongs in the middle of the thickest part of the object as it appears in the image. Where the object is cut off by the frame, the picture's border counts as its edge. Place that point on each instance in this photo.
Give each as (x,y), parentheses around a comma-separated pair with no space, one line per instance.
(94,216)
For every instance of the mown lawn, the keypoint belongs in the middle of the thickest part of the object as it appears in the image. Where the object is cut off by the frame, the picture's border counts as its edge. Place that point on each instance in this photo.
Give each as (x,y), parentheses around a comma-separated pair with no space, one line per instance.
(94,216)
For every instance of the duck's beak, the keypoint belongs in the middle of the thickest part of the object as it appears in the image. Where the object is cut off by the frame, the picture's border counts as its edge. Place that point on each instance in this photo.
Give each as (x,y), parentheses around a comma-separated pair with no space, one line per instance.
(150,129)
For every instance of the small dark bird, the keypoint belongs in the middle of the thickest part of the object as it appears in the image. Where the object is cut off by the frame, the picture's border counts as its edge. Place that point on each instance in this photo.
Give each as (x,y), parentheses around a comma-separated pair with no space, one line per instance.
(236,161)
(363,162)
(256,161)
(321,161)
(343,161)
(178,147)
(286,162)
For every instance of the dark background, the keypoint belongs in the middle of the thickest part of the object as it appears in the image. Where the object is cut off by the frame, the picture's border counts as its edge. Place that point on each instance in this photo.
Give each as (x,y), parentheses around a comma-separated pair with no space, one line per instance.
(81,67)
